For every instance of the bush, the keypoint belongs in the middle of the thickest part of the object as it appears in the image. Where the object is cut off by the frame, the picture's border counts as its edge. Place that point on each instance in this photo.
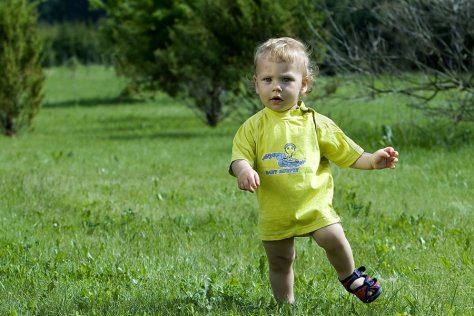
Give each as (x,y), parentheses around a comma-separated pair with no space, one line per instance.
(200,50)
(22,78)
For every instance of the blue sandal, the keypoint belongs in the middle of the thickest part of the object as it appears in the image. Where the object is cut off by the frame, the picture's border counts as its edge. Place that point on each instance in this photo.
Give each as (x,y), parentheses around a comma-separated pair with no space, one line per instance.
(368,291)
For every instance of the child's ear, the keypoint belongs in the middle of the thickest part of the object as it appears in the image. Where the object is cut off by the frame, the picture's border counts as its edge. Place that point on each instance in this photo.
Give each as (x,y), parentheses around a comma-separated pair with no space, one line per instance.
(304,85)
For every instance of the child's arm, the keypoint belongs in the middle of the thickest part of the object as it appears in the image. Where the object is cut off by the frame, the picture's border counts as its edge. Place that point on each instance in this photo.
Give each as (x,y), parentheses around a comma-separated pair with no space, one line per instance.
(381,159)
(247,178)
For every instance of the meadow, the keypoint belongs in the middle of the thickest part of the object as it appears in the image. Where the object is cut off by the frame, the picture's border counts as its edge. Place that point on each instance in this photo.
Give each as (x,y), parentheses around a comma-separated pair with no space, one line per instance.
(116,207)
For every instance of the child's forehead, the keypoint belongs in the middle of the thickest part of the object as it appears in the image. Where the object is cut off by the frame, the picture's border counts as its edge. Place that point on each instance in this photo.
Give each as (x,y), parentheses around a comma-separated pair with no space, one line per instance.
(280,57)
(267,62)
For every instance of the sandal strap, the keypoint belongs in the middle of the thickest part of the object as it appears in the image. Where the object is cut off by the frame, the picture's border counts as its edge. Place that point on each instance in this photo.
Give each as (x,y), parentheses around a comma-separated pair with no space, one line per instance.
(368,291)
(358,273)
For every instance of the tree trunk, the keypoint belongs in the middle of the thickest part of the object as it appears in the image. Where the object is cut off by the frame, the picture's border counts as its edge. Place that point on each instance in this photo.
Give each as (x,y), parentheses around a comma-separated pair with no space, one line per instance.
(9,127)
(214,111)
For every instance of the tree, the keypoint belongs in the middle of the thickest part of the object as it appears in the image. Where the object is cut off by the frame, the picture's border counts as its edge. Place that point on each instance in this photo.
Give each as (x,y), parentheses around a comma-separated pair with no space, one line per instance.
(419,48)
(206,46)
(134,31)
(22,77)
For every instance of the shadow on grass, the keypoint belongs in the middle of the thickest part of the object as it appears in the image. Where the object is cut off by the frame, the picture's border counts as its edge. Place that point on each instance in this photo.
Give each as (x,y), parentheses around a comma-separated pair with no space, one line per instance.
(181,135)
(135,127)
(91,102)
(170,135)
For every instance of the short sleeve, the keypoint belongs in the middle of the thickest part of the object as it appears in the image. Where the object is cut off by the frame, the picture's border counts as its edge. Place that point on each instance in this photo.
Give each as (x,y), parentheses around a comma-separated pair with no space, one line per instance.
(244,144)
(334,144)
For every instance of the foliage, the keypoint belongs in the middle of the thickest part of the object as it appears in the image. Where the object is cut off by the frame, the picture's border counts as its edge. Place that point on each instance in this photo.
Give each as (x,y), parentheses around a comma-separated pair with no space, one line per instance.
(22,78)
(387,39)
(202,49)
(134,30)
(60,11)
(69,30)
(118,211)
(72,41)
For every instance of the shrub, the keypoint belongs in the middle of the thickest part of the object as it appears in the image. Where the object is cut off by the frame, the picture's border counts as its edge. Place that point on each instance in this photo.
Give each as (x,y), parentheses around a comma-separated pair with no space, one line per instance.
(22,78)
(200,50)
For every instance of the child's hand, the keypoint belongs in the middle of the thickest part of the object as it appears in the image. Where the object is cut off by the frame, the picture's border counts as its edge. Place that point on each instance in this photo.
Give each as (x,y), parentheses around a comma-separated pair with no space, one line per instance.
(384,158)
(381,159)
(248,180)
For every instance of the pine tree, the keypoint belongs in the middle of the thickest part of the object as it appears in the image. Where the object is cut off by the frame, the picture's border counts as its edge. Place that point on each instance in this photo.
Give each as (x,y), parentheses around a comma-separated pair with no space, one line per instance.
(21,77)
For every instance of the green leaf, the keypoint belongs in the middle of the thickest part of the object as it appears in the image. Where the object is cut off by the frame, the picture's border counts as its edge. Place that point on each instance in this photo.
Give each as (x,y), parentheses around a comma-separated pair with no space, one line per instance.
(445,262)
(466,260)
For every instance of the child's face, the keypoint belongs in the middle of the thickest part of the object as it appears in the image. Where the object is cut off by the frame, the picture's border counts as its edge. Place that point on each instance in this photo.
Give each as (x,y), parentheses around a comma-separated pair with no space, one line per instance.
(279,84)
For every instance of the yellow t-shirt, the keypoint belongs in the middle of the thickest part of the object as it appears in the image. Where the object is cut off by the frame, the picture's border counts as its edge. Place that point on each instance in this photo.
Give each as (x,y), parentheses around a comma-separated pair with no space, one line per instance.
(291,152)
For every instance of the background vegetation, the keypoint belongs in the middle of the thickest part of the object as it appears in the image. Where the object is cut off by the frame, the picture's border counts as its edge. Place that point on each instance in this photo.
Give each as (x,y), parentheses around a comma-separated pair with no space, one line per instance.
(389,41)
(72,43)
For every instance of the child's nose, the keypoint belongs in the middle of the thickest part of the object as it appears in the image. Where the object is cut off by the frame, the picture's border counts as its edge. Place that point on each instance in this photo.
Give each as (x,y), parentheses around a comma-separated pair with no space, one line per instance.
(276,86)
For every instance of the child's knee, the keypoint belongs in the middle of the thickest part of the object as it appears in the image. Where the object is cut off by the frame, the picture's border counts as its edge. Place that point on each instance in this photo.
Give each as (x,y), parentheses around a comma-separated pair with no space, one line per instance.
(331,237)
(280,254)
(281,262)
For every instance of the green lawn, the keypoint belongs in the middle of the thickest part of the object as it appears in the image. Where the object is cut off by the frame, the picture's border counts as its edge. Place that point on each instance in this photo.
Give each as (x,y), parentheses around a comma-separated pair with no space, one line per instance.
(126,208)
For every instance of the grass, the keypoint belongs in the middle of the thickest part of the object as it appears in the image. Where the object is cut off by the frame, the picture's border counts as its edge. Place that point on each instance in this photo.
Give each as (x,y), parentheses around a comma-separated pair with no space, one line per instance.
(112,207)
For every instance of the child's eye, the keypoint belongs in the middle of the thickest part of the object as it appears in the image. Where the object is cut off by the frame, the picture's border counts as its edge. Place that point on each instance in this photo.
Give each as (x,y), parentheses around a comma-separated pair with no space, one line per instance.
(287,79)
(267,80)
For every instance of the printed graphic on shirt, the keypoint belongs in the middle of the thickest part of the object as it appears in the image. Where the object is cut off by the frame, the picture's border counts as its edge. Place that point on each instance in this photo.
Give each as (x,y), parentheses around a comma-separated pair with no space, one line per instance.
(286,162)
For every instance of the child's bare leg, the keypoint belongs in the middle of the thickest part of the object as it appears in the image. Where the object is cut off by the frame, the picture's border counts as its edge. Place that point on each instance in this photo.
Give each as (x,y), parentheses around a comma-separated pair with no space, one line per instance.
(333,241)
(280,255)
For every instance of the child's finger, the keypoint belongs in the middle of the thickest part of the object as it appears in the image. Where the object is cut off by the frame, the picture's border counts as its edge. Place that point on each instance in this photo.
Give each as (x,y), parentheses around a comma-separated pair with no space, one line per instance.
(392,162)
(257,179)
(252,184)
(389,150)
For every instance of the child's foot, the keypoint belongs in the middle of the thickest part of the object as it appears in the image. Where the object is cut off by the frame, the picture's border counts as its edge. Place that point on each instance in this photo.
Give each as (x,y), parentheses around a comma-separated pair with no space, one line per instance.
(359,284)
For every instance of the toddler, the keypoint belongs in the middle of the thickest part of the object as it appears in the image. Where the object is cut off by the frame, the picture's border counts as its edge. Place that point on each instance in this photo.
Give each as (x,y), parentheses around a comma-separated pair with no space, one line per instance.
(282,153)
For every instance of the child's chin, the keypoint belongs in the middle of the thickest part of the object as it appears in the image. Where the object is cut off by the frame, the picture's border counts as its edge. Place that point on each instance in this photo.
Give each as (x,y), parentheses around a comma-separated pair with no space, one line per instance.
(278,107)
